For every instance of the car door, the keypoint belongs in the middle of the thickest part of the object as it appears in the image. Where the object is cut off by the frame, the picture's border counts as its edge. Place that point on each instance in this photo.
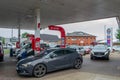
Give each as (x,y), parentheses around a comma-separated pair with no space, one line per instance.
(69,57)
(57,60)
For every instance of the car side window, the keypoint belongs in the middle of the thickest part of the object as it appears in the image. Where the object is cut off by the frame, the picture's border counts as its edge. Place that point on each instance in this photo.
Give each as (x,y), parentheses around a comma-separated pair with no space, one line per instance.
(58,53)
(68,51)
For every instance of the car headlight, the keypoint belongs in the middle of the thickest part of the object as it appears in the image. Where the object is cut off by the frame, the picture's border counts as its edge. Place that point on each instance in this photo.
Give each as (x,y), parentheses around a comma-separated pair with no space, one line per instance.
(26,64)
(106,52)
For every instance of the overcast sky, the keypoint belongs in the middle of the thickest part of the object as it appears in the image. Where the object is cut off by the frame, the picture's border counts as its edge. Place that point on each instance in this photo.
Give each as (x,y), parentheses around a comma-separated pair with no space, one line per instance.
(95,27)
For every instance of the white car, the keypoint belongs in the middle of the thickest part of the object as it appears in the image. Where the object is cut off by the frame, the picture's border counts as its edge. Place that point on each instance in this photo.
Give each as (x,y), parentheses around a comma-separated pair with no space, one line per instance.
(116,48)
(79,49)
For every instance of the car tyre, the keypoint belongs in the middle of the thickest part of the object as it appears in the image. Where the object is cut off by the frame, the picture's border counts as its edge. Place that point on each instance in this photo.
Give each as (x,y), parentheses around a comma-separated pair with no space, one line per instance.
(39,70)
(92,57)
(107,58)
(2,58)
(78,63)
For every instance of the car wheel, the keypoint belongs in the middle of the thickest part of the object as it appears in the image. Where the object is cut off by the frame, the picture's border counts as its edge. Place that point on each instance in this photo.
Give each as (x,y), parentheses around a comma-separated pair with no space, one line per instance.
(107,58)
(39,70)
(78,63)
(92,57)
(2,59)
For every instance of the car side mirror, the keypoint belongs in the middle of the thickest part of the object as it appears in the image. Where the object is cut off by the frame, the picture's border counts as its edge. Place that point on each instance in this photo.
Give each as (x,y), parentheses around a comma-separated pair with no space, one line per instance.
(108,49)
(51,56)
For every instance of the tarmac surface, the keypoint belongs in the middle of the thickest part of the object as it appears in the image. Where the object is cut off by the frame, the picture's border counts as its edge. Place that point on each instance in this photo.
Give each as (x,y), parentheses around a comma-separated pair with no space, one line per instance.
(91,70)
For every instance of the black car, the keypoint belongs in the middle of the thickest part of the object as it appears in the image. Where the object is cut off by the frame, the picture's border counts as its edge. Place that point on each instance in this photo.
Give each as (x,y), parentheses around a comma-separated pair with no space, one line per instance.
(1,52)
(49,60)
(100,51)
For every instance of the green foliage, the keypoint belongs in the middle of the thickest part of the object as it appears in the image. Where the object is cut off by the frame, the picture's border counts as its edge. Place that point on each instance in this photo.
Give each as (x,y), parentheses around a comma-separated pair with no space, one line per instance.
(3,40)
(6,51)
(118,34)
(24,35)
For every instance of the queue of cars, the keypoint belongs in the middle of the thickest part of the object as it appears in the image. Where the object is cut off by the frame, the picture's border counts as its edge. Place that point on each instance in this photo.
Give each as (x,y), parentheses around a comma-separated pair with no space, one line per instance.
(83,50)
(48,60)
(51,59)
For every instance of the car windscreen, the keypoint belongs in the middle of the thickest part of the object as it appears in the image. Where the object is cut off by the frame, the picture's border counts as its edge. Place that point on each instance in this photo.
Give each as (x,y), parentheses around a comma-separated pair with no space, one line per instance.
(99,48)
(26,46)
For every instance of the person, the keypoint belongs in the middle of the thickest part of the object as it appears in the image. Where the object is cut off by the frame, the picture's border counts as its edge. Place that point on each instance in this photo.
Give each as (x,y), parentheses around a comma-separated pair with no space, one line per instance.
(11,52)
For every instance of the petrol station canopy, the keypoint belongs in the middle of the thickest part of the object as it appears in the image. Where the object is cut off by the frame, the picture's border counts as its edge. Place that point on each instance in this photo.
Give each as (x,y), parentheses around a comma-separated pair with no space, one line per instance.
(54,12)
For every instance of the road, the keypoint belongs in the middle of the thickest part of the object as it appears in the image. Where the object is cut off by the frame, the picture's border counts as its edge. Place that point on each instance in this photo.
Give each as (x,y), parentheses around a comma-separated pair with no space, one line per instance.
(91,70)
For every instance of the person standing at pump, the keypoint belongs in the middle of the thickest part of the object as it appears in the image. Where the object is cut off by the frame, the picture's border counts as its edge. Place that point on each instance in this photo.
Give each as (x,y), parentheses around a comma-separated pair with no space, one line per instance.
(11,52)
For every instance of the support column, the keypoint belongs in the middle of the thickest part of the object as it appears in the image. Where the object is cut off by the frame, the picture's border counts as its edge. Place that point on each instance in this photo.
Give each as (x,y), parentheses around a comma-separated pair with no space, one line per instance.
(18,42)
(118,21)
(37,32)
(19,34)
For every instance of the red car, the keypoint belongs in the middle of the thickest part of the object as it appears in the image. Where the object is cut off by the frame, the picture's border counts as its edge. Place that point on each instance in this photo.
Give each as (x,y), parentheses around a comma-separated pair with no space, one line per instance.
(87,49)
(1,52)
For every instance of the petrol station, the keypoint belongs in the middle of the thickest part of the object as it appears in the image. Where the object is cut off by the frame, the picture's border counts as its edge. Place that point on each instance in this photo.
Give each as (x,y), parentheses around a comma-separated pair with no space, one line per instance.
(40,14)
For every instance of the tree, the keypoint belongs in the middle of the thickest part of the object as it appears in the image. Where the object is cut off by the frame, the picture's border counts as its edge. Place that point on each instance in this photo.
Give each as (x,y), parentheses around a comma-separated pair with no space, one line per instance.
(118,34)
(3,40)
(24,35)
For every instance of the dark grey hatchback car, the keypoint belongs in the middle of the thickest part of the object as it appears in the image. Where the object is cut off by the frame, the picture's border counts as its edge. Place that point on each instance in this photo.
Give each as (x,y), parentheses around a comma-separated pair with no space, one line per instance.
(49,60)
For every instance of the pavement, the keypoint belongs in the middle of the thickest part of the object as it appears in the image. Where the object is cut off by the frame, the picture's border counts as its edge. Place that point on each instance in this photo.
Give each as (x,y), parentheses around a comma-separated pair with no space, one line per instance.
(91,70)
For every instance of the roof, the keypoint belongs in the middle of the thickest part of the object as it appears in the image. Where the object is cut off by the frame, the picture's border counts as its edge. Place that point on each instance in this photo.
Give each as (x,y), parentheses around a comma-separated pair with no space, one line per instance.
(80,33)
(51,38)
(55,12)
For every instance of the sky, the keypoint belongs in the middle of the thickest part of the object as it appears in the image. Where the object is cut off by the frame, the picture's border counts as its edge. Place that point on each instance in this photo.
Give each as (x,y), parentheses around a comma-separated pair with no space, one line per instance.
(95,27)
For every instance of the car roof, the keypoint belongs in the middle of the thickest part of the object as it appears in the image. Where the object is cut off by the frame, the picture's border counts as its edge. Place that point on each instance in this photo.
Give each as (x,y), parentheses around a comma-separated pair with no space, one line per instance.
(60,48)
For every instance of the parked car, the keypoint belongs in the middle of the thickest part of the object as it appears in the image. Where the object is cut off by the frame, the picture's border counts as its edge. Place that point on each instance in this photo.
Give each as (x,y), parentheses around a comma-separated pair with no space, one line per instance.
(79,49)
(44,46)
(87,49)
(49,60)
(57,46)
(25,52)
(100,51)
(27,45)
(28,51)
(116,48)
(1,52)
(9,46)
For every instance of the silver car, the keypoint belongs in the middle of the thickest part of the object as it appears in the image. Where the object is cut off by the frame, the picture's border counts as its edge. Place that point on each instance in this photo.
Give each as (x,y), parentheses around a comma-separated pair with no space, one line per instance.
(100,51)
(49,60)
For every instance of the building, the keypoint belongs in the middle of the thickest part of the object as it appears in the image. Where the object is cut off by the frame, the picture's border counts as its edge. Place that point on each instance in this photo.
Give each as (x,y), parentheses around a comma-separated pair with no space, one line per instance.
(44,38)
(49,38)
(80,38)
